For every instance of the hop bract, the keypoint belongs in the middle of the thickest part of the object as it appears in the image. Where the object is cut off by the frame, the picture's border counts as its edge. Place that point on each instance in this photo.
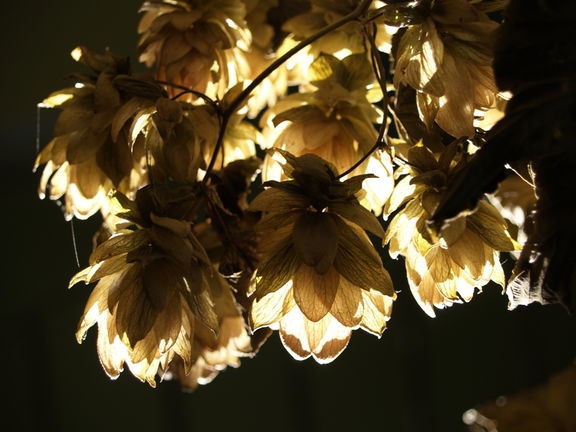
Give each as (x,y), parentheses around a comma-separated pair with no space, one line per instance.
(94,149)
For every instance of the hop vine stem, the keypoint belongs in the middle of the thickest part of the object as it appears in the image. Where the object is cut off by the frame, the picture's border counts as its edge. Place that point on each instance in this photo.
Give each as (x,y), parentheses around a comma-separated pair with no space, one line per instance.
(185,90)
(380,72)
(236,102)
(379,142)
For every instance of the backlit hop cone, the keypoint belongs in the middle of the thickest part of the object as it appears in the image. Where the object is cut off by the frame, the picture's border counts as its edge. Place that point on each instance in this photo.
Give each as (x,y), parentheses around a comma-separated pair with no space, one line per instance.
(95,148)
(443,268)
(319,277)
(211,353)
(154,300)
(335,122)
(447,59)
(198,44)
(342,41)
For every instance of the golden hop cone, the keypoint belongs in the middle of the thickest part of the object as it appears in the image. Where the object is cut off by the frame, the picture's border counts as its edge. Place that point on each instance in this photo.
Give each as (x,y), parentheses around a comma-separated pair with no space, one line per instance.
(195,43)
(212,353)
(180,139)
(446,267)
(94,149)
(261,54)
(179,136)
(447,59)
(335,123)
(348,39)
(156,289)
(319,277)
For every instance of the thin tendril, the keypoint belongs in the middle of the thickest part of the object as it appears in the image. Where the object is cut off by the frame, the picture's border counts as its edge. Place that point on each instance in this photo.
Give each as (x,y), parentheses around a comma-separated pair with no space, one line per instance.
(379,72)
(38,108)
(379,142)
(74,242)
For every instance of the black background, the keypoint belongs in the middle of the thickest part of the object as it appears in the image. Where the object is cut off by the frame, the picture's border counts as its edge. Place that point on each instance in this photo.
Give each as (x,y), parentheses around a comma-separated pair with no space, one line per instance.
(420,376)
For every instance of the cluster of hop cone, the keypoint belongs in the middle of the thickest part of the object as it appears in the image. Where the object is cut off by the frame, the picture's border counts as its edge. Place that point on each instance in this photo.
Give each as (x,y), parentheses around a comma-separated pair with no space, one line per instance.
(243,182)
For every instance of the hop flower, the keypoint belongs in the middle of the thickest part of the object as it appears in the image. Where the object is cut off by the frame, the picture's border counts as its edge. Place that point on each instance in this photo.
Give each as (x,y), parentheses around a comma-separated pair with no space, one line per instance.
(156,292)
(211,353)
(335,122)
(447,58)
(195,43)
(348,39)
(93,150)
(446,267)
(319,277)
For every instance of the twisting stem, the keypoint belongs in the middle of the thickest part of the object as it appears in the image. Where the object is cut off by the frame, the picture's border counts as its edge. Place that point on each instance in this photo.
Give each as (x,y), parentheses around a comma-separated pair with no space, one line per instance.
(354,15)
(185,90)
(377,144)
(182,93)
(380,72)
(217,147)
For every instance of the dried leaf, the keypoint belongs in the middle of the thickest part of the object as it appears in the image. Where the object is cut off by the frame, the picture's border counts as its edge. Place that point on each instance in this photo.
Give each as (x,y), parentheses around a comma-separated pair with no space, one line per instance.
(275,272)
(377,309)
(468,253)
(293,335)
(120,243)
(278,201)
(422,158)
(126,111)
(327,338)
(348,306)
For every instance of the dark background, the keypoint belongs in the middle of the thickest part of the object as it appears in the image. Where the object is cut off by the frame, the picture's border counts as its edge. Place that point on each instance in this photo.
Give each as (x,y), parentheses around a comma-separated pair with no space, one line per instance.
(420,376)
